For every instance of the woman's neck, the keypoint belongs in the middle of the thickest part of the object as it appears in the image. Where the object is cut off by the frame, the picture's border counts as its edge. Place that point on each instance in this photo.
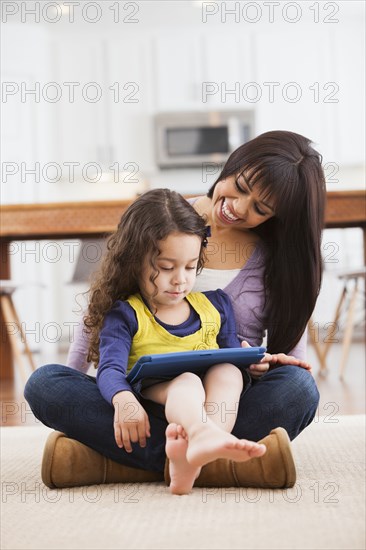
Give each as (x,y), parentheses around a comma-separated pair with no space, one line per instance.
(203,207)
(228,247)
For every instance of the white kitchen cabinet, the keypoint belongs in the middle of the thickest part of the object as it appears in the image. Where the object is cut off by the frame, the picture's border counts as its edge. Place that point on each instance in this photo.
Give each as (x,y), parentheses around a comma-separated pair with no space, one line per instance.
(25,118)
(324,65)
(114,130)
(228,67)
(348,47)
(78,71)
(296,85)
(196,71)
(179,70)
(130,101)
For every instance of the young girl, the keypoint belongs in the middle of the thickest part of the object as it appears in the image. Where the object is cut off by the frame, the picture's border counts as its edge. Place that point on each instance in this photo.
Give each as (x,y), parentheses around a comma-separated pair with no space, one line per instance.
(142,303)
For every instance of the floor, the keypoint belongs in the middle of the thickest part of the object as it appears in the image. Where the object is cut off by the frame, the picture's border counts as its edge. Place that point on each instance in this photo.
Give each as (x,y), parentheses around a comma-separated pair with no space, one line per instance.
(337,397)
(345,396)
(326,504)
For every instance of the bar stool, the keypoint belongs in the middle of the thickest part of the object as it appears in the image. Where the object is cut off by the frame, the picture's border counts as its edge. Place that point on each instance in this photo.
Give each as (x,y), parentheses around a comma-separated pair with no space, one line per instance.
(351,286)
(11,321)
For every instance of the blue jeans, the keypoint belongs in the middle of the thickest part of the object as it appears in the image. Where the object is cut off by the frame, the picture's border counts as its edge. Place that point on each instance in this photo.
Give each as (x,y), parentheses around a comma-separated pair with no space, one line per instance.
(70,402)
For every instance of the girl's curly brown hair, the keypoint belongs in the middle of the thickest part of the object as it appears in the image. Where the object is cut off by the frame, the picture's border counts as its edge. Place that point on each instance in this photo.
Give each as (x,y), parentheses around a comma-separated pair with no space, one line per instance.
(148,220)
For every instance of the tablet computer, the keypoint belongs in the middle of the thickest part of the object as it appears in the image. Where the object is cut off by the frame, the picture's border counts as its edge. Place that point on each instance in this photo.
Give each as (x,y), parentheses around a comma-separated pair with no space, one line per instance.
(172,364)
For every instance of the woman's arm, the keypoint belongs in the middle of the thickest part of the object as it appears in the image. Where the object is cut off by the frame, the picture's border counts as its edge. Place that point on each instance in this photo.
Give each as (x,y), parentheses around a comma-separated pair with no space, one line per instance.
(246,292)
(78,351)
(227,337)
(300,350)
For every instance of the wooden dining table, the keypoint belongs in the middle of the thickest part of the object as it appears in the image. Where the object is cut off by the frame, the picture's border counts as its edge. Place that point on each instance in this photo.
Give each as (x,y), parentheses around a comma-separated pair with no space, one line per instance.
(70,220)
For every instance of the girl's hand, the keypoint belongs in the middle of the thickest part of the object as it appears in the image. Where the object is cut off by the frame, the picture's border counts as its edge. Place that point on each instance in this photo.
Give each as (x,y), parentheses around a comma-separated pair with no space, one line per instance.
(256,371)
(131,423)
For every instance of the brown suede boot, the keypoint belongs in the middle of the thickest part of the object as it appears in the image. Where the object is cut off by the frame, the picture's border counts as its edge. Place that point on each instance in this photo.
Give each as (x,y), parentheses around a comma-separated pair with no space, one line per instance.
(275,469)
(68,463)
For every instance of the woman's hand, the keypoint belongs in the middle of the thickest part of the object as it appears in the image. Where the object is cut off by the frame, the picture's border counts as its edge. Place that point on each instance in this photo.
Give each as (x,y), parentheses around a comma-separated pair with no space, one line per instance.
(269,359)
(283,359)
(131,423)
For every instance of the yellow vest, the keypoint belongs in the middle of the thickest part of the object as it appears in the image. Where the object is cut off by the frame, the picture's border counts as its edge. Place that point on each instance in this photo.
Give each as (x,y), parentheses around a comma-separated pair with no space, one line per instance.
(153,338)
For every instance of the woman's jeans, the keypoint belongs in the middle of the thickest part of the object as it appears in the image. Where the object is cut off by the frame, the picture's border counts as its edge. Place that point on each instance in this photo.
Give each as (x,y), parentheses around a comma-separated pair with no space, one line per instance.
(70,402)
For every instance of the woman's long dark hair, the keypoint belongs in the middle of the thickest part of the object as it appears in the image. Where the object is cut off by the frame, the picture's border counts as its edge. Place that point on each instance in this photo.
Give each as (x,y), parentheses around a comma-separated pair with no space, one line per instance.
(288,171)
(148,220)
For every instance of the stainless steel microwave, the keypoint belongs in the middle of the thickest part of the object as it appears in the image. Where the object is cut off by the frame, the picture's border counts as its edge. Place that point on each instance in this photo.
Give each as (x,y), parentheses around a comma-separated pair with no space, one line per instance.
(194,138)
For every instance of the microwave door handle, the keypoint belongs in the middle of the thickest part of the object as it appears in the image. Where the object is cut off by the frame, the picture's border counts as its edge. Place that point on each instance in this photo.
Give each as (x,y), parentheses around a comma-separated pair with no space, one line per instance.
(234,133)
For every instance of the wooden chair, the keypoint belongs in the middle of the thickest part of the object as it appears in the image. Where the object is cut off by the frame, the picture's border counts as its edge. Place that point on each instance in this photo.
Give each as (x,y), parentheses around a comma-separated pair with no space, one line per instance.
(11,322)
(88,260)
(346,304)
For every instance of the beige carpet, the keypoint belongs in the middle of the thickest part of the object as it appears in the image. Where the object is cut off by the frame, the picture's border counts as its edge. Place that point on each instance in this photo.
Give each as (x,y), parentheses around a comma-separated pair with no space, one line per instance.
(325,509)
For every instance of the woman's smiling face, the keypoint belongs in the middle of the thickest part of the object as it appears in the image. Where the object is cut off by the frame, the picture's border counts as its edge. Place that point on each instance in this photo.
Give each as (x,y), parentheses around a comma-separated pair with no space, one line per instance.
(236,202)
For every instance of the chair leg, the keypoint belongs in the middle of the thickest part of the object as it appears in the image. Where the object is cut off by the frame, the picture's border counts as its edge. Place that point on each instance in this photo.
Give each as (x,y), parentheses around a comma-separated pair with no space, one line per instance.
(10,319)
(322,350)
(328,342)
(348,330)
(24,339)
(317,347)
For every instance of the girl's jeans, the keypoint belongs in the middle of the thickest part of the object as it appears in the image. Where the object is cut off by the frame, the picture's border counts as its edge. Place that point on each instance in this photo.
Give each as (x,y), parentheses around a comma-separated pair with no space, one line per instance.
(70,402)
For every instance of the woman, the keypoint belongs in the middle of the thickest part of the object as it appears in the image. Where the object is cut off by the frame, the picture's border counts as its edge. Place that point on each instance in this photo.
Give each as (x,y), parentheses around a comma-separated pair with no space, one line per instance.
(266,213)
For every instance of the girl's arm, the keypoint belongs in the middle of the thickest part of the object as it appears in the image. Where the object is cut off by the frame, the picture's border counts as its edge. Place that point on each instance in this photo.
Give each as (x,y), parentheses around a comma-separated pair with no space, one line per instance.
(131,423)
(120,325)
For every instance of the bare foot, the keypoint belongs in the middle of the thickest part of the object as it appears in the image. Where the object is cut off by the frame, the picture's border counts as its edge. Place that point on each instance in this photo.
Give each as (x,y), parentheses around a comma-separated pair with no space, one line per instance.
(182,474)
(210,443)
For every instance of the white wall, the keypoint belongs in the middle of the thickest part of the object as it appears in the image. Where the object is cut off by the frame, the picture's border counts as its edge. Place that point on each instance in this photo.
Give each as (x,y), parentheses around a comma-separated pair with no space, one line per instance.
(161,54)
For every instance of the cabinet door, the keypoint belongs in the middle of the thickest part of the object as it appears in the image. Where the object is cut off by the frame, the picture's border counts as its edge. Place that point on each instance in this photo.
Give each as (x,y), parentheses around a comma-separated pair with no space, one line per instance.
(228,66)
(293,78)
(78,60)
(179,69)
(115,130)
(26,116)
(348,45)
(130,103)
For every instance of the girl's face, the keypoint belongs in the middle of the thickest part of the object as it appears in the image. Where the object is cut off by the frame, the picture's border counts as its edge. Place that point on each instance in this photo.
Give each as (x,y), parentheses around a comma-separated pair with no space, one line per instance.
(177,266)
(236,203)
